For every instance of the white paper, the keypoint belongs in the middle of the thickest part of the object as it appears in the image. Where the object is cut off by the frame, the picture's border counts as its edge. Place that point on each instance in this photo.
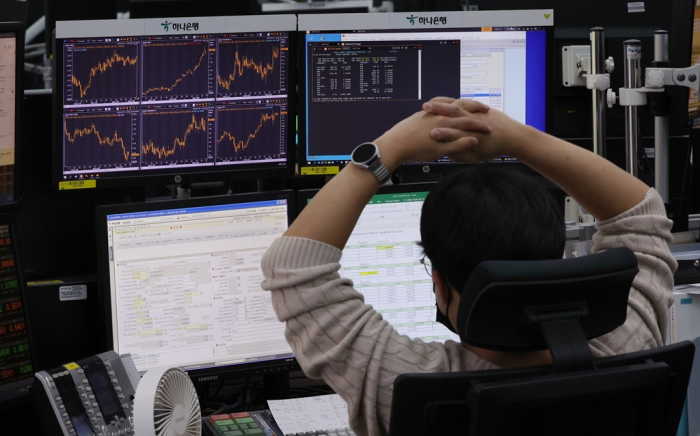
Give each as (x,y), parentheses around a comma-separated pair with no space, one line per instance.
(310,414)
(70,293)
(635,7)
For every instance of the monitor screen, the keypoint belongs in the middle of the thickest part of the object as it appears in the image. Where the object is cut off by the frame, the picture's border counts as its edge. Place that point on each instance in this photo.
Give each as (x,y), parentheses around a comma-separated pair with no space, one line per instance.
(362,74)
(16,367)
(184,281)
(694,104)
(570,107)
(383,259)
(173,100)
(10,52)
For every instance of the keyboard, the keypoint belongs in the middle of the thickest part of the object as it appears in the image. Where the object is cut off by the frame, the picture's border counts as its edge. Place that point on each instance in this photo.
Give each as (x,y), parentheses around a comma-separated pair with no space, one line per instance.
(259,424)
(237,424)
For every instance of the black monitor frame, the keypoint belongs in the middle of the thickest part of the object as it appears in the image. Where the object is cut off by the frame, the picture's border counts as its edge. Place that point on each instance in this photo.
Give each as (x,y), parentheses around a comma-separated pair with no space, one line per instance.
(270,367)
(16,393)
(181,176)
(17,29)
(412,168)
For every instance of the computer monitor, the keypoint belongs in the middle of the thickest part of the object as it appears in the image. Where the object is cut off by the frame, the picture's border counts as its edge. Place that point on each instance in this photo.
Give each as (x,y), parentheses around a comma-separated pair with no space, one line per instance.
(182,279)
(16,353)
(173,100)
(13,10)
(570,107)
(361,74)
(694,103)
(383,259)
(11,67)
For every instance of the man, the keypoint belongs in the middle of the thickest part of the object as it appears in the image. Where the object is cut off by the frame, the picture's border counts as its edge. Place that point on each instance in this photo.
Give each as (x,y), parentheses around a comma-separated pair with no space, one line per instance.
(335,336)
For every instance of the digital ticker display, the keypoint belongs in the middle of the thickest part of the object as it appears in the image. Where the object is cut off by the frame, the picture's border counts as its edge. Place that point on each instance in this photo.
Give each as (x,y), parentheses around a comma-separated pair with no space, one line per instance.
(15,354)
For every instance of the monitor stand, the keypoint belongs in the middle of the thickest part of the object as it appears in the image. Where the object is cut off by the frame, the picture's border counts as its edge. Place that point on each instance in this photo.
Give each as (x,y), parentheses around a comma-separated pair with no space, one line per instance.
(276,386)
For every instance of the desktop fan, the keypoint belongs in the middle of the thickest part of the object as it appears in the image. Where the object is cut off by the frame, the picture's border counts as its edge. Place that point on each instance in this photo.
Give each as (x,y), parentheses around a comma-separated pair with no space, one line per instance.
(166,404)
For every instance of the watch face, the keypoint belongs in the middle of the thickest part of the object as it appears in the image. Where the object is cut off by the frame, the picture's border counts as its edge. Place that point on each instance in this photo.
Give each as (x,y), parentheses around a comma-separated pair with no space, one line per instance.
(364,153)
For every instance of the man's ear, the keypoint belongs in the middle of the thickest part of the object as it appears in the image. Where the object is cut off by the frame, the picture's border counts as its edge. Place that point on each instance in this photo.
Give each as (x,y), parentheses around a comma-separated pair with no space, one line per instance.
(442,290)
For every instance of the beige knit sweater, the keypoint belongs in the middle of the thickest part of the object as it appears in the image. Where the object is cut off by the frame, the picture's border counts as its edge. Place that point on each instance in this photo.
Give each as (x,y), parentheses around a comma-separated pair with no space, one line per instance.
(335,336)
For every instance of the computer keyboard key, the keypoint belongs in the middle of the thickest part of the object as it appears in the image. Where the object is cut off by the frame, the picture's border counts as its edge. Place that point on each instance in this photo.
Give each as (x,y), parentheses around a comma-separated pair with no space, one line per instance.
(252,431)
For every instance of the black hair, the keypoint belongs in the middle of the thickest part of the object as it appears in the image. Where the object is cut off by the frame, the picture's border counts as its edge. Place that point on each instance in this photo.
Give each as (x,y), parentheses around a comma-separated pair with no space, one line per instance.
(489,212)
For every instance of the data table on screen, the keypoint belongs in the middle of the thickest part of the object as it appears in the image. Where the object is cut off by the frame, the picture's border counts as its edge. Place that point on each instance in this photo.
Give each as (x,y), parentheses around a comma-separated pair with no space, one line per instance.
(382,258)
(187,287)
(8,117)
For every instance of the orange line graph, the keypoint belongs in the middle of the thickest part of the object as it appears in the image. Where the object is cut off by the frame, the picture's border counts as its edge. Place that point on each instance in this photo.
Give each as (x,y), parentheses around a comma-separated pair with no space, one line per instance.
(241,65)
(109,140)
(164,151)
(179,79)
(101,68)
(241,144)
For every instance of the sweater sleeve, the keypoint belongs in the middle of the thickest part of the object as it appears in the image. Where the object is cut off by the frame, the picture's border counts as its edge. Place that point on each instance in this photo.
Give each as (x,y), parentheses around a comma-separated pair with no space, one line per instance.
(646,231)
(337,337)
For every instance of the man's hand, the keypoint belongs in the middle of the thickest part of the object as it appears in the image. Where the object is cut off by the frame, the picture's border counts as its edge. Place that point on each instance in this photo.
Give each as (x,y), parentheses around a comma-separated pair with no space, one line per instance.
(502,141)
(410,139)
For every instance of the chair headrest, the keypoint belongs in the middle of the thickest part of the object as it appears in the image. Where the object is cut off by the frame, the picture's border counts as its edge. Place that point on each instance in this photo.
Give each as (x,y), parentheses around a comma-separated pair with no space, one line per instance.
(499,295)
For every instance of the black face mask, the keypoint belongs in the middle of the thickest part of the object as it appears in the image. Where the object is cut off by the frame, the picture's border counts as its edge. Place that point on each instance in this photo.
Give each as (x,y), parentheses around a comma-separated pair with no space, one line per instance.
(443,319)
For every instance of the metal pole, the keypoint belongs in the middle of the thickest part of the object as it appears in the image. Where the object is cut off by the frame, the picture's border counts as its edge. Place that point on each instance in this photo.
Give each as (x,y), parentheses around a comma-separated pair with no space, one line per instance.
(633,79)
(599,100)
(661,122)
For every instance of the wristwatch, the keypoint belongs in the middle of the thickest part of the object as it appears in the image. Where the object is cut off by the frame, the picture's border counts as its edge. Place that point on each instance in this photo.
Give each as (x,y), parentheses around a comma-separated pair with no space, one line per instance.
(367,156)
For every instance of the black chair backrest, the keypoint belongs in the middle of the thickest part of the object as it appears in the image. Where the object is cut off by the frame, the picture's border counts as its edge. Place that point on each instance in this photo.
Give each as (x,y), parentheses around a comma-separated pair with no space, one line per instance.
(499,294)
(637,394)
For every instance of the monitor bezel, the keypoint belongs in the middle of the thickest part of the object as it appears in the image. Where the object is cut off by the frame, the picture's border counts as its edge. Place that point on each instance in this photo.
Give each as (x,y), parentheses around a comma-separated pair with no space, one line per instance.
(205,374)
(183,177)
(15,393)
(18,29)
(417,168)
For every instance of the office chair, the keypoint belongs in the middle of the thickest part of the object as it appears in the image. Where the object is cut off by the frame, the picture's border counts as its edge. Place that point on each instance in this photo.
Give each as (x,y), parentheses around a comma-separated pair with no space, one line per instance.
(556,305)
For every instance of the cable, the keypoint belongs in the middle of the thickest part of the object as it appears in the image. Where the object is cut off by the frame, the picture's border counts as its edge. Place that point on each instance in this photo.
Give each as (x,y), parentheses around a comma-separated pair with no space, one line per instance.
(216,394)
(647,170)
(685,172)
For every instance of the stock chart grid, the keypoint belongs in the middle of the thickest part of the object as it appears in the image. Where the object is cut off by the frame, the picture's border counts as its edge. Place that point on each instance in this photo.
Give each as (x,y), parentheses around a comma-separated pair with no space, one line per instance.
(148,104)
(177,136)
(249,132)
(249,67)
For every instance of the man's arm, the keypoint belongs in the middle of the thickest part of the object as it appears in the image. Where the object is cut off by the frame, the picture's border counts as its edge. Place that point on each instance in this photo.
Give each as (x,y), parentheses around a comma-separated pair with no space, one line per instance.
(602,188)
(332,215)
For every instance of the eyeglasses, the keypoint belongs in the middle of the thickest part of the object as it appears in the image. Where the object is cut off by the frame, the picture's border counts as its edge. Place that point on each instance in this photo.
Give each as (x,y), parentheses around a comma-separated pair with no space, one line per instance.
(427,265)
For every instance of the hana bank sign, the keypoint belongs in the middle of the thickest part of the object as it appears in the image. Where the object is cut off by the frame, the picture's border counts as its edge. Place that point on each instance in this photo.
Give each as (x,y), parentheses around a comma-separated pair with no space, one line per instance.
(180,27)
(434,20)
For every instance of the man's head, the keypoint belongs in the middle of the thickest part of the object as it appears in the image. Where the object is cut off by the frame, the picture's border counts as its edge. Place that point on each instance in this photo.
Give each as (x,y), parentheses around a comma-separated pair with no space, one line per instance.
(487,213)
